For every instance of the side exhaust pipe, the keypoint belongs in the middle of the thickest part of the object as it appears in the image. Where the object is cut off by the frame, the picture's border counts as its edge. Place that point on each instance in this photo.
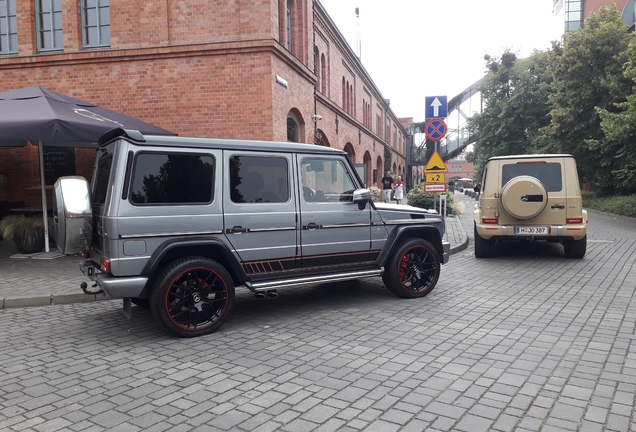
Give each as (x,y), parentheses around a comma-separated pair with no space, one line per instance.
(266,293)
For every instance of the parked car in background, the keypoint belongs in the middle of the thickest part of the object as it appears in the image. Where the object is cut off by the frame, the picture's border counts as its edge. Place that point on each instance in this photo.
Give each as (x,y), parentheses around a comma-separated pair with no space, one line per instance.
(531,198)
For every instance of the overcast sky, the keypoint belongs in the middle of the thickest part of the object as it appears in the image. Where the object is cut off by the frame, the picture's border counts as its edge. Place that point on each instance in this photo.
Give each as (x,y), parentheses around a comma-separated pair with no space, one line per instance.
(418,48)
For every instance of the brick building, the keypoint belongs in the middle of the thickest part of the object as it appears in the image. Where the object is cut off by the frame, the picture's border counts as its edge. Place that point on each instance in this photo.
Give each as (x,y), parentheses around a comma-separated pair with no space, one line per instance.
(576,11)
(273,70)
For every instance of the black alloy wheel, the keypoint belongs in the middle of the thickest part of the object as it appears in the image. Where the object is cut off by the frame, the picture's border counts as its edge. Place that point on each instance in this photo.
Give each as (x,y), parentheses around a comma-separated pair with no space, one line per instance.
(413,270)
(193,296)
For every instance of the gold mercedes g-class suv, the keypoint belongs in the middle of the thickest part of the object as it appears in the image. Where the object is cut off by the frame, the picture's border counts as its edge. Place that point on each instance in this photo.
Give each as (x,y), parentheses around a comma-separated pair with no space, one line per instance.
(531,198)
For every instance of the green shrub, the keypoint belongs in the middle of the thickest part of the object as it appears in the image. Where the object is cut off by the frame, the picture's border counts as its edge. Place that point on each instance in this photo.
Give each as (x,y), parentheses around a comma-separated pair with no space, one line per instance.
(418,198)
(619,205)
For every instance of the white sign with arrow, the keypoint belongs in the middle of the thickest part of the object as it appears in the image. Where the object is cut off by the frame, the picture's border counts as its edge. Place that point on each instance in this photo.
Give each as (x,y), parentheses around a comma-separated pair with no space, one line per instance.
(436,107)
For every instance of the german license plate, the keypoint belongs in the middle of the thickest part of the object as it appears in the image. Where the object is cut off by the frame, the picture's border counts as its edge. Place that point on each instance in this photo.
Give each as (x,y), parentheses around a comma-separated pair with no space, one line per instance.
(531,230)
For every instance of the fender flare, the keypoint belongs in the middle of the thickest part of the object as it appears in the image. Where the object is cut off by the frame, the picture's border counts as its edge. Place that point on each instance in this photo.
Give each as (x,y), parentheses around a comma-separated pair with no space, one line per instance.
(197,245)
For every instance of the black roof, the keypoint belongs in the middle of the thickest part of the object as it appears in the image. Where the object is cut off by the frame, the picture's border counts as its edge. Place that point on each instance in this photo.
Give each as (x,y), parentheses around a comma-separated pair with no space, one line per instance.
(217,143)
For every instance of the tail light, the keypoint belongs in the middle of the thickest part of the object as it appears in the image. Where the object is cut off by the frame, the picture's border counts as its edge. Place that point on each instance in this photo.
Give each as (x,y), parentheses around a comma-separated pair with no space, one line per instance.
(490,220)
(104,265)
(575,220)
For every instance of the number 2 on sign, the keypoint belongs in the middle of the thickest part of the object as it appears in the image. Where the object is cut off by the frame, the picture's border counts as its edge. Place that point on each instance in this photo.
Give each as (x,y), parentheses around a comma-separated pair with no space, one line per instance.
(434,178)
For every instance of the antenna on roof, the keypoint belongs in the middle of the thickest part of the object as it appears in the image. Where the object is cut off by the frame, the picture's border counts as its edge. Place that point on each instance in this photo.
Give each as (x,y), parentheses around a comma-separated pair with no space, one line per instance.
(359,41)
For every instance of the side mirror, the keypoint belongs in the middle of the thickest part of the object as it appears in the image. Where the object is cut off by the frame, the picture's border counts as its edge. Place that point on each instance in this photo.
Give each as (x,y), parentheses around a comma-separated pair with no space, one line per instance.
(361,197)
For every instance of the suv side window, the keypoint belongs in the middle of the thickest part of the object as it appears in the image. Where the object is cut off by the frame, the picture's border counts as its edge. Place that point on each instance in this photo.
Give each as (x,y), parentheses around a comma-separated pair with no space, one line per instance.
(326,180)
(258,179)
(172,178)
(102,174)
(548,173)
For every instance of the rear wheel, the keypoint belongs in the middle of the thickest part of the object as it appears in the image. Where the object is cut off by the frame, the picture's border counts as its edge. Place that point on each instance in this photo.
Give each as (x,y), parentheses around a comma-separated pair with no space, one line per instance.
(413,270)
(193,296)
(575,248)
(483,247)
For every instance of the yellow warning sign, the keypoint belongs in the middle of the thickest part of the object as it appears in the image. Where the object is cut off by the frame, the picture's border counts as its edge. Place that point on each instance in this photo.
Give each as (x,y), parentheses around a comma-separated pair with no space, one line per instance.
(435,165)
(435,178)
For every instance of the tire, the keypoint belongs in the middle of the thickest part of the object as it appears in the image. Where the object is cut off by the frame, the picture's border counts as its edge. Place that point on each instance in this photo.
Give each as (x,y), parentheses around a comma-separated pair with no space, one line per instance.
(575,248)
(193,296)
(483,247)
(413,269)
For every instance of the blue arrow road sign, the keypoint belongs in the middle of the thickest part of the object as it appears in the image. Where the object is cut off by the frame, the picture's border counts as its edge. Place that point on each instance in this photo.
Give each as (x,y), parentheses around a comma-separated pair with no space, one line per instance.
(436,107)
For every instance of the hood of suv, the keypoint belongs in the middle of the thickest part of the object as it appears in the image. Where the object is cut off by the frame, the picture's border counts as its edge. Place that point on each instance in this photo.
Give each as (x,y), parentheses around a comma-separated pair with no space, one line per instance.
(403,212)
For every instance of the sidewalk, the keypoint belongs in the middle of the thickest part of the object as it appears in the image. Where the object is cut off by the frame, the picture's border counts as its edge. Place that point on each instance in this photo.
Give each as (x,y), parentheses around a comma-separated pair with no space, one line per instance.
(41,282)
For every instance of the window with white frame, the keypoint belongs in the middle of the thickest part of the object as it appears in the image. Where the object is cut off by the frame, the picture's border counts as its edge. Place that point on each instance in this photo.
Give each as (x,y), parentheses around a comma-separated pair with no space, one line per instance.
(8,27)
(49,25)
(96,23)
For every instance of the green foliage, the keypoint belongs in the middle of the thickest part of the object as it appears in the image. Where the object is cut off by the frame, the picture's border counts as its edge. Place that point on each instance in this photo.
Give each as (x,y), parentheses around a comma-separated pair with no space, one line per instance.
(515,93)
(620,205)
(12,227)
(418,198)
(577,98)
(388,158)
(589,82)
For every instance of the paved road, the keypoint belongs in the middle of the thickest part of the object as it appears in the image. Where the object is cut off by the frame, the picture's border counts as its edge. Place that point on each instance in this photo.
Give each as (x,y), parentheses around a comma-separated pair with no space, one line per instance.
(525,341)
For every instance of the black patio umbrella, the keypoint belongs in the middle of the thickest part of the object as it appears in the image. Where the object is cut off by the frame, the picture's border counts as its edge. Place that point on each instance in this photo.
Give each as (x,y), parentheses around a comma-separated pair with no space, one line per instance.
(47,118)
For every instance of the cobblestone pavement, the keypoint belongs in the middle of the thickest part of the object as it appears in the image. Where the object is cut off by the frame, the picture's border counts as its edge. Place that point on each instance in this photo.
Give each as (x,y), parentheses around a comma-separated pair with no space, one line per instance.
(528,340)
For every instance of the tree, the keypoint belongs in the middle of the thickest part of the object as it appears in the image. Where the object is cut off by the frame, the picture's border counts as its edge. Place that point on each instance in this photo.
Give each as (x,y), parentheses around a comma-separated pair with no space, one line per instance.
(619,142)
(588,80)
(515,94)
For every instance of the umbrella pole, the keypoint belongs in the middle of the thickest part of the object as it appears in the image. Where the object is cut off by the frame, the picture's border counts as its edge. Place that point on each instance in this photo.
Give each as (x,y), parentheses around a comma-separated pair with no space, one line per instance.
(45,212)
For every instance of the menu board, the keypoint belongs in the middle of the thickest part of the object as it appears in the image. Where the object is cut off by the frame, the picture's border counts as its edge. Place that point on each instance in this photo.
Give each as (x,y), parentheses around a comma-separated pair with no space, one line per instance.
(58,162)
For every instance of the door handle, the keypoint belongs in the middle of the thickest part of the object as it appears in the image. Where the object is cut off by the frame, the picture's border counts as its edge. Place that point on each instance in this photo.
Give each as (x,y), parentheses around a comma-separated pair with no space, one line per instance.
(311,226)
(237,230)
(558,206)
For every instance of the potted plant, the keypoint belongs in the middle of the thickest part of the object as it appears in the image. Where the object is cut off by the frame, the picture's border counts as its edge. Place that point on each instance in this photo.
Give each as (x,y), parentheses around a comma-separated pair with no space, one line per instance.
(26,232)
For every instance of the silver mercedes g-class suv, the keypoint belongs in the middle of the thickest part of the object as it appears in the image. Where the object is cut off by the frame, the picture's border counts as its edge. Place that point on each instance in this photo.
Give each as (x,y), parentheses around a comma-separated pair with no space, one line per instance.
(175,224)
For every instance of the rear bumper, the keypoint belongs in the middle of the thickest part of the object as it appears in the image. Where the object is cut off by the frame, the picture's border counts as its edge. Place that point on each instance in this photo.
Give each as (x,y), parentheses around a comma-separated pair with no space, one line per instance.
(555,232)
(115,287)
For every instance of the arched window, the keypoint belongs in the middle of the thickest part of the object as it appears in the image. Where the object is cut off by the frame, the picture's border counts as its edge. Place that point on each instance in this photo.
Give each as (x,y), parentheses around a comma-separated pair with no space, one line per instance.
(353,101)
(348,148)
(288,24)
(317,69)
(348,106)
(344,95)
(292,129)
(323,73)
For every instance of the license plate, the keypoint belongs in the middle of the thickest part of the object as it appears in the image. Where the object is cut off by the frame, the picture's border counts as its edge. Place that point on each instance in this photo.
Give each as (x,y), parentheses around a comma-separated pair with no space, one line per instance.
(531,230)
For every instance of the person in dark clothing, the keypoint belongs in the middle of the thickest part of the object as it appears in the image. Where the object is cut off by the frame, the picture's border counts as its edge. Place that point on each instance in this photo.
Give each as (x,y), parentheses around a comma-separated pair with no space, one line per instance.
(387,186)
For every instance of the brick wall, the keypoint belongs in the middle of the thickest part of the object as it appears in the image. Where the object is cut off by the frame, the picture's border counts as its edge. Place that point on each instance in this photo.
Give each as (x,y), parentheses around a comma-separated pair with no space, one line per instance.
(201,68)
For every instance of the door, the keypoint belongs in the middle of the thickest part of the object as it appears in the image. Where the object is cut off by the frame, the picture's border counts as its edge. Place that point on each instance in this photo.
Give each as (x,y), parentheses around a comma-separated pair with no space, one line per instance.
(334,230)
(260,210)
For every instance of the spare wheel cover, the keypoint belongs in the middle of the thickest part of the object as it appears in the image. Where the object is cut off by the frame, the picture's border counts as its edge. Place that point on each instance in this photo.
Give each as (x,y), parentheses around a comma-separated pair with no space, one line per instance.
(524,197)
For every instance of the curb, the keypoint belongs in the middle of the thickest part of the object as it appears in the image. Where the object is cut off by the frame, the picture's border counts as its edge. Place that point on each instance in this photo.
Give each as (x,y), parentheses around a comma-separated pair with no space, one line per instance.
(464,244)
(53,299)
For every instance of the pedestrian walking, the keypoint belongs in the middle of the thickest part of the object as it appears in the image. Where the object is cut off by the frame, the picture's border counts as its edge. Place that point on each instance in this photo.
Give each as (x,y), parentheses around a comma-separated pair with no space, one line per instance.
(398,190)
(387,186)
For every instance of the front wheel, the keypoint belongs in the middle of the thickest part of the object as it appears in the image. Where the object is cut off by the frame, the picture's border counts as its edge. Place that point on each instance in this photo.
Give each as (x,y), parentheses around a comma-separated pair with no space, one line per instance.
(413,270)
(193,296)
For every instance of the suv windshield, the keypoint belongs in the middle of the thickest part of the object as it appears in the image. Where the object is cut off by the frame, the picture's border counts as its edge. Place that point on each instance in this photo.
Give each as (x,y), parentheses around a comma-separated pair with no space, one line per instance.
(548,173)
